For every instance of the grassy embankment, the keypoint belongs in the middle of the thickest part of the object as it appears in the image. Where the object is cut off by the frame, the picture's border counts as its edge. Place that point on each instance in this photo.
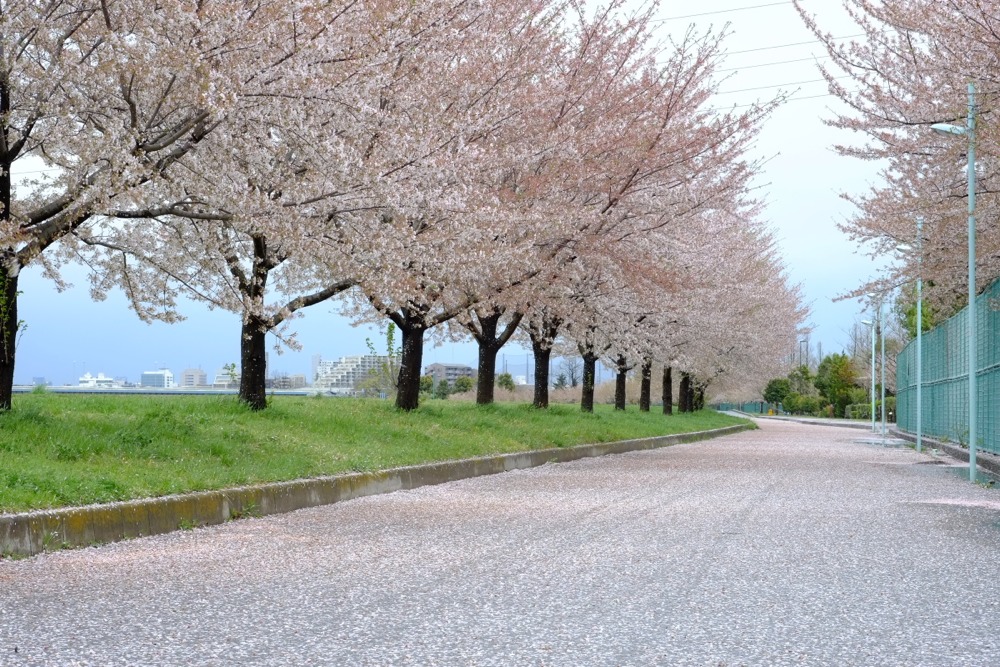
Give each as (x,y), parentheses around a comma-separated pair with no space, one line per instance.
(63,450)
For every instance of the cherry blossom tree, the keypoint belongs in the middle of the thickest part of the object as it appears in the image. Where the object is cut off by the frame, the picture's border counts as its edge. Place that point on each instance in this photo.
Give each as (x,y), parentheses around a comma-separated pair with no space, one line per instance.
(910,70)
(269,201)
(461,233)
(107,97)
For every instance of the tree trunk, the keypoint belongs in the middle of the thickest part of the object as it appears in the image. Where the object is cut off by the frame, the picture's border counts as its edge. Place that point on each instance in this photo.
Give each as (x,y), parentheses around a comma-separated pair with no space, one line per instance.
(8,272)
(668,391)
(543,354)
(8,336)
(484,329)
(542,335)
(699,398)
(683,404)
(486,337)
(589,371)
(253,364)
(621,376)
(644,388)
(486,380)
(408,389)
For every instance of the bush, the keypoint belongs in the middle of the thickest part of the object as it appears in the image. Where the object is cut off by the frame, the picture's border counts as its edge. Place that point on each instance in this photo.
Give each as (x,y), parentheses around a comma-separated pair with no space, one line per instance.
(442,389)
(864,410)
(505,381)
(797,404)
(808,405)
(859,411)
(777,390)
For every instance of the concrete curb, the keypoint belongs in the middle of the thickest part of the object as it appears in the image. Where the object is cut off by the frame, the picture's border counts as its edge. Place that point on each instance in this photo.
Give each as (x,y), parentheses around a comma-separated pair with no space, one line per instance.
(31,533)
(987,461)
(815,422)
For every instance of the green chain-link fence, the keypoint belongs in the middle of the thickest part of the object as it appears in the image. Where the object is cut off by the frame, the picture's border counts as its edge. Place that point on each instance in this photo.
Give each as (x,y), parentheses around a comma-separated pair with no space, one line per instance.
(752,407)
(945,393)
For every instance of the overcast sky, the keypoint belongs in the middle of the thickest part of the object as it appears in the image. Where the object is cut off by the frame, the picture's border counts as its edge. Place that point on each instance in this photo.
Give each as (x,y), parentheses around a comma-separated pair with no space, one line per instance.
(68,334)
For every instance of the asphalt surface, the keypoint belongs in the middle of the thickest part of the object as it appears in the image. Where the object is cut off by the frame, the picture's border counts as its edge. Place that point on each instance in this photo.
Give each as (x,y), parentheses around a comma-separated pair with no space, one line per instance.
(792,545)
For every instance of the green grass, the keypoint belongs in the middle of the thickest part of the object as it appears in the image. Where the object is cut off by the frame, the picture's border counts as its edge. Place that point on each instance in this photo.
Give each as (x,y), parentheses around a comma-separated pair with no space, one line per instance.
(59,450)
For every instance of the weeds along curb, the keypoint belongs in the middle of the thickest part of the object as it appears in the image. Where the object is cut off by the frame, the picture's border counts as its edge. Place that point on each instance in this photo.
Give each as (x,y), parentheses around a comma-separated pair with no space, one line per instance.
(31,533)
(986,460)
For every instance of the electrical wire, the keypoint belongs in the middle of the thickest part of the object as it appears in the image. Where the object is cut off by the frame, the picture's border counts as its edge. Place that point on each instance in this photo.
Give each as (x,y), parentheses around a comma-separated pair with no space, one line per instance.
(778,85)
(790,99)
(784,46)
(720,11)
(778,62)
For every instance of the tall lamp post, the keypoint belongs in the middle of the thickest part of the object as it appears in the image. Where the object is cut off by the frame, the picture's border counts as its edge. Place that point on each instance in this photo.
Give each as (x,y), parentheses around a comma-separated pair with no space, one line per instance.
(969,131)
(871,323)
(920,333)
(881,326)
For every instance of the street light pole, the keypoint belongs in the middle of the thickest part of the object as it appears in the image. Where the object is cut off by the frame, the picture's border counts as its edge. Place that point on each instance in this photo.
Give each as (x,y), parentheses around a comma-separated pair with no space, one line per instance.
(881,321)
(973,343)
(920,333)
(872,393)
(970,132)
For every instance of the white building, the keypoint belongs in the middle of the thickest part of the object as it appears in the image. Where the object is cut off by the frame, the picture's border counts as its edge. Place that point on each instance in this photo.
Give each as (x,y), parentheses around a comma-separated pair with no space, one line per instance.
(100,381)
(286,381)
(449,372)
(161,379)
(227,378)
(194,377)
(342,376)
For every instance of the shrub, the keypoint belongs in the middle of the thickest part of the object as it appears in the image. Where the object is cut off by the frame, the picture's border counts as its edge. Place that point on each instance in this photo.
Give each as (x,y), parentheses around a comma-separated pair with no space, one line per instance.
(505,381)
(808,405)
(442,389)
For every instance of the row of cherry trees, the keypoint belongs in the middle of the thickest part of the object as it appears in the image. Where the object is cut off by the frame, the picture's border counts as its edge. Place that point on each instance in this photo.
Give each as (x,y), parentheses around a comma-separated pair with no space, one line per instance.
(524,168)
(909,71)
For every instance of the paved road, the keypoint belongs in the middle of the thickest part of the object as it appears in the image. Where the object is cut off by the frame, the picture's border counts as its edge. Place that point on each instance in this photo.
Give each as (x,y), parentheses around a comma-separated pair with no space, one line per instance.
(792,545)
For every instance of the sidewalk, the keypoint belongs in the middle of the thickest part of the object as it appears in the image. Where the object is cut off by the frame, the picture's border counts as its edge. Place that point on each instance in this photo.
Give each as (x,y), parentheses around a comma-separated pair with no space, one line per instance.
(794,544)
(987,462)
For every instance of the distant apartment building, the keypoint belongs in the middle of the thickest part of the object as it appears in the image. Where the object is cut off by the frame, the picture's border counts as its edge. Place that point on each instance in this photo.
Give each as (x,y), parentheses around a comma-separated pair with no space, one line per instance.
(100,381)
(193,377)
(161,379)
(226,379)
(286,381)
(449,372)
(343,375)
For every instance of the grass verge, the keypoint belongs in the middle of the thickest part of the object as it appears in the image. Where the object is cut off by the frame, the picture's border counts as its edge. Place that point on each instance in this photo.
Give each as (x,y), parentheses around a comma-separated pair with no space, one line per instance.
(60,450)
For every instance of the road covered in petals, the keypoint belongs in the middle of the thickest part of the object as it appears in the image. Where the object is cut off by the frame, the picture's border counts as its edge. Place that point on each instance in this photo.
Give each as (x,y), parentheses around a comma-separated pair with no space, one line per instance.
(790,545)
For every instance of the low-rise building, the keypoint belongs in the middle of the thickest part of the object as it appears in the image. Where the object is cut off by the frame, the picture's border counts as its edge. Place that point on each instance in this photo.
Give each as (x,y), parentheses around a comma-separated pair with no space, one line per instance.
(193,377)
(343,375)
(161,379)
(100,381)
(227,378)
(286,381)
(449,372)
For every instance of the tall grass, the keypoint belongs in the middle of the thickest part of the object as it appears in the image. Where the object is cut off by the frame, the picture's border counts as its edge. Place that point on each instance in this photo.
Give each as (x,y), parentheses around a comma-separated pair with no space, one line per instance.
(60,450)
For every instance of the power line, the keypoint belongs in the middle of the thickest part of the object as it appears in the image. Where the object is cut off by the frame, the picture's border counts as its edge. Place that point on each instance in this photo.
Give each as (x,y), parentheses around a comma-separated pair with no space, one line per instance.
(790,99)
(778,85)
(783,46)
(36,171)
(779,62)
(721,11)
